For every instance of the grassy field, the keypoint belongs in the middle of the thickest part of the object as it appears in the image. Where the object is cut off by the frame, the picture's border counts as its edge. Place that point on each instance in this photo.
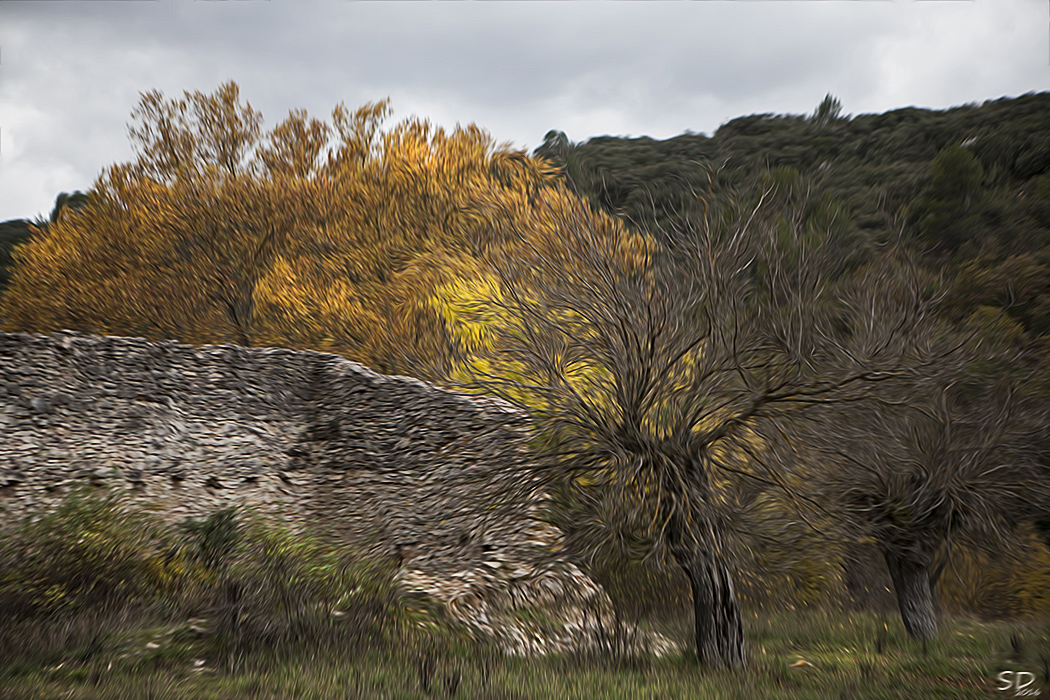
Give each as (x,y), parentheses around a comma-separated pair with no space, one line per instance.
(97,604)
(798,654)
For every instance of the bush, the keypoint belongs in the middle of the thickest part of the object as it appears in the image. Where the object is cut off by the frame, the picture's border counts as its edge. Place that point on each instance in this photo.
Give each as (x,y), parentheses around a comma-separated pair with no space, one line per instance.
(88,554)
(214,539)
(273,590)
(94,573)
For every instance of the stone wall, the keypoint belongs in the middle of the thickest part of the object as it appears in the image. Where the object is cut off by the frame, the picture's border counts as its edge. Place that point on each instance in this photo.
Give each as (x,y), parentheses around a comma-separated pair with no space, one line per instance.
(392,464)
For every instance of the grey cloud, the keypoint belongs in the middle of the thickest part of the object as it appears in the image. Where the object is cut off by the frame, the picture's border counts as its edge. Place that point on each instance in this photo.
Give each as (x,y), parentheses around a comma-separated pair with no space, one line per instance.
(72,72)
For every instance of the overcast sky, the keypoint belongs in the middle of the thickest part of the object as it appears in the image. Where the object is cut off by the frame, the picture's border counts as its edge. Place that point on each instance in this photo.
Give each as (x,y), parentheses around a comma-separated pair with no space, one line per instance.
(71,72)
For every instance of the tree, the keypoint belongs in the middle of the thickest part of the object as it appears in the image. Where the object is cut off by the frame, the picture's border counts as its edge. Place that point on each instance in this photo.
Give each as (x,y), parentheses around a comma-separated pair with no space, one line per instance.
(659,377)
(555,147)
(947,214)
(828,110)
(314,235)
(63,202)
(13,233)
(947,458)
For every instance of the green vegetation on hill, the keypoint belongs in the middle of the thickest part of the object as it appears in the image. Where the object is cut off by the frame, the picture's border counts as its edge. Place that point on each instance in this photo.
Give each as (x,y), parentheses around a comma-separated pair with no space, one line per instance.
(967,186)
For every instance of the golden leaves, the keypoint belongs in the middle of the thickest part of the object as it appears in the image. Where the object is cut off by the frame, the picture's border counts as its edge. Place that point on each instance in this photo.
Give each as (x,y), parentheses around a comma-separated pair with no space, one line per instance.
(339,238)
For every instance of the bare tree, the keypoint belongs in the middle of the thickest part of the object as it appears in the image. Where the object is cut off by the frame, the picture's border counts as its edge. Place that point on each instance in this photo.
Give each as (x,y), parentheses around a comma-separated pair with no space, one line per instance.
(940,457)
(662,376)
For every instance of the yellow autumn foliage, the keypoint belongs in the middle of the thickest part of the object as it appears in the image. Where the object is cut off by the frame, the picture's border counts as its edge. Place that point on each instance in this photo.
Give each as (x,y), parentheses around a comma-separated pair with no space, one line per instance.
(311,236)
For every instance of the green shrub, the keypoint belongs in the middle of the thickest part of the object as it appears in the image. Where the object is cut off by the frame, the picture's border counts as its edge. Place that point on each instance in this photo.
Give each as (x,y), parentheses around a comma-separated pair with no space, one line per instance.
(89,553)
(214,538)
(94,574)
(280,591)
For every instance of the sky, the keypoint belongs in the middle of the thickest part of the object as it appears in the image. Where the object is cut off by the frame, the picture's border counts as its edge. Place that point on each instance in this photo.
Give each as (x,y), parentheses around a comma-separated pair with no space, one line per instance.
(71,72)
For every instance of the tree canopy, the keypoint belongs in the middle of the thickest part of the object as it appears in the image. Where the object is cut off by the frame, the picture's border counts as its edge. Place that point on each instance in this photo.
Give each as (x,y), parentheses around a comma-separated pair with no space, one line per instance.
(313,235)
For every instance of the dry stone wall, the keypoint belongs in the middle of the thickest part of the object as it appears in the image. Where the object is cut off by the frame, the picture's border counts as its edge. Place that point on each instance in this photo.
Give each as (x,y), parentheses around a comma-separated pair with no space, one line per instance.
(392,464)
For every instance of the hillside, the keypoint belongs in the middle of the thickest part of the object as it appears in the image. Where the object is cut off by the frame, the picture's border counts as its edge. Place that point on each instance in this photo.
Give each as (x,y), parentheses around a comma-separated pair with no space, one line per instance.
(967,186)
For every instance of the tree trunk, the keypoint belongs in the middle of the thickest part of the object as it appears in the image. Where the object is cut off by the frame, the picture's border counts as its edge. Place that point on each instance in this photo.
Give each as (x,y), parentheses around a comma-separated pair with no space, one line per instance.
(718,623)
(911,582)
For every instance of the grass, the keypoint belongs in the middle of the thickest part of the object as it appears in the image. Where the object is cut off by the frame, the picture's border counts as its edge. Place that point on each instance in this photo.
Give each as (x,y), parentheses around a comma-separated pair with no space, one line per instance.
(841,653)
(96,604)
